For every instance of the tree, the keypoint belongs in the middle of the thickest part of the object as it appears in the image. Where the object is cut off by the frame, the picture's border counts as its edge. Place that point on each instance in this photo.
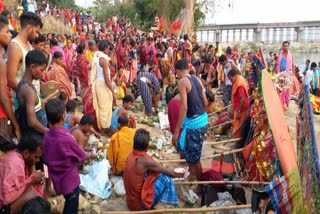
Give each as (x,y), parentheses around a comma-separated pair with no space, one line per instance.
(64,3)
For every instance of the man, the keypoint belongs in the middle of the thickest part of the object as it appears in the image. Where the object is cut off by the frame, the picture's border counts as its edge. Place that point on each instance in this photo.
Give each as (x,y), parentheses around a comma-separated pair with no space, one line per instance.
(82,132)
(103,94)
(240,101)
(121,145)
(192,118)
(307,65)
(38,43)
(145,192)
(6,112)
(30,114)
(19,182)
(285,59)
(314,81)
(120,111)
(227,66)
(90,53)
(62,155)
(20,46)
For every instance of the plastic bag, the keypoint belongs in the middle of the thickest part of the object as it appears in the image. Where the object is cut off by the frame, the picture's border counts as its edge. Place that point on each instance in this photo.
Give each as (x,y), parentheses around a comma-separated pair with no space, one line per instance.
(119,188)
(97,180)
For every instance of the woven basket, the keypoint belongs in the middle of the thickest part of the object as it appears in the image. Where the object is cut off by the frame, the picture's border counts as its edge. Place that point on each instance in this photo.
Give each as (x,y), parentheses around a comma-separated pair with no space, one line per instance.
(49,88)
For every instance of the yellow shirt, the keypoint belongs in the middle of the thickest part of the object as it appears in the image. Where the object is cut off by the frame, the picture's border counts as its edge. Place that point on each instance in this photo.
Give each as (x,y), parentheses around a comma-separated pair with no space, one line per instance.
(89,55)
(121,145)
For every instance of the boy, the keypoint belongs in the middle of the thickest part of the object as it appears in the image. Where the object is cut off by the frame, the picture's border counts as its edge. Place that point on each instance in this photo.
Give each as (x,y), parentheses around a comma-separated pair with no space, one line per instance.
(63,155)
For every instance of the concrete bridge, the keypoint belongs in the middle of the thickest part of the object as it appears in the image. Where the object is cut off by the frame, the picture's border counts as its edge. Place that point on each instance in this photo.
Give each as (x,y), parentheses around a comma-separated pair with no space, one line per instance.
(304,32)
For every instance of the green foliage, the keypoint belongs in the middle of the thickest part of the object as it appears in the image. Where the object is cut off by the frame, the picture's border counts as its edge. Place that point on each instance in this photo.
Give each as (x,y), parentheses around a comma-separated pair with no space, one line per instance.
(142,12)
(199,16)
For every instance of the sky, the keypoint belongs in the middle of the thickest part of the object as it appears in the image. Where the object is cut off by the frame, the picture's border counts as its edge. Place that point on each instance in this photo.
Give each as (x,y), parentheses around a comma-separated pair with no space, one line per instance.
(254,11)
(264,11)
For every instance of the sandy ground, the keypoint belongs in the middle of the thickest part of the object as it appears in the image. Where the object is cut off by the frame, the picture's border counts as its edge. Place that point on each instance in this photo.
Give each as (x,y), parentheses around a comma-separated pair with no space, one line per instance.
(91,204)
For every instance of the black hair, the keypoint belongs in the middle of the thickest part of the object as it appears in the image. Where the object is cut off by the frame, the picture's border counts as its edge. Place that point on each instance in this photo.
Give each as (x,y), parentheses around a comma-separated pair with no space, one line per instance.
(71,106)
(36,57)
(40,38)
(13,33)
(55,109)
(87,119)
(103,44)
(53,42)
(159,55)
(210,96)
(80,48)
(36,205)
(185,36)
(210,46)
(207,59)
(222,58)
(286,42)
(3,21)
(182,64)
(5,13)
(62,96)
(308,60)
(30,142)
(141,140)
(123,120)
(127,99)
(229,50)
(233,73)
(29,18)
(313,65)
(57,55)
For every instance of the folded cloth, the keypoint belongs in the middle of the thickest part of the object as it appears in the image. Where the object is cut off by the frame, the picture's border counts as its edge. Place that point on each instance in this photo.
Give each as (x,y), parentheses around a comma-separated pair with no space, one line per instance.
(191,123)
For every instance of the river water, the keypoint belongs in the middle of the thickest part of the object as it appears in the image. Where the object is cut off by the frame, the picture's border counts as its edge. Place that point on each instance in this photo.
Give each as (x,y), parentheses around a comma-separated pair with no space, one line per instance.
(300,58)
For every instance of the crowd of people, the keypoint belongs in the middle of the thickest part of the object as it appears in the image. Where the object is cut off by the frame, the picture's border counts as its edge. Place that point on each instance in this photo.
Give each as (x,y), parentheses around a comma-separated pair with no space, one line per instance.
(102,64)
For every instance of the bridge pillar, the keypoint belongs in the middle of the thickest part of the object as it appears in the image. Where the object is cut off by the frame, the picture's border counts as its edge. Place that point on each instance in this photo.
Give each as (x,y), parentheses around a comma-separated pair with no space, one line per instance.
(299,31)
(257,35)
(234,35)
(274,37)
(247,34)
(218,35)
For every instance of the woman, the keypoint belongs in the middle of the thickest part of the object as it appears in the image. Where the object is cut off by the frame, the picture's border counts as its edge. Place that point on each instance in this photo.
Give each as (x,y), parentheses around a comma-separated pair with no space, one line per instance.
(58,73)
(149,89)
(208,72)
(81,70)
(133,61)
(47,54)
(172,89)
(6,113)
(70,55)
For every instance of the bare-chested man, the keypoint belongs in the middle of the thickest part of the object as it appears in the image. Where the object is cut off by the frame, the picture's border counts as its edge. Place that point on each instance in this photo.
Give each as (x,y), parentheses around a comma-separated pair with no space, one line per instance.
(20,46)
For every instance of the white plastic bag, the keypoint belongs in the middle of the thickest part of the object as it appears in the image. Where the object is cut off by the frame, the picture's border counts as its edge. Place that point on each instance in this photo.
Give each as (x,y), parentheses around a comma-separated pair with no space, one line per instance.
(119,188)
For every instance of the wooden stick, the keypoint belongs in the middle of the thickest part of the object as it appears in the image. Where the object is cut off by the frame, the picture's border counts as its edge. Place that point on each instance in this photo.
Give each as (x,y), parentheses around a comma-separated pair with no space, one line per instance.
(224,108)
(222,124)
(222,142)
(219,110)
(221,182)
(185,210)
(202,158)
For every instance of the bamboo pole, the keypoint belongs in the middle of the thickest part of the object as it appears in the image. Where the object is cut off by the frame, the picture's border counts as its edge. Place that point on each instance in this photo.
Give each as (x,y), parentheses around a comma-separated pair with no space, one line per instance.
(222,142)
(222,124)
(185,210)
(202,158)
(219,110)
(224,108)
(220,182)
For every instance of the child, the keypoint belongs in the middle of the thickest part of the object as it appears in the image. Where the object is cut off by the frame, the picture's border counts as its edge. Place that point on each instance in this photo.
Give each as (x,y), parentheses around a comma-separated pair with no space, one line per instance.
(71,118)
(120,79)
(212,107)
(62,155)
